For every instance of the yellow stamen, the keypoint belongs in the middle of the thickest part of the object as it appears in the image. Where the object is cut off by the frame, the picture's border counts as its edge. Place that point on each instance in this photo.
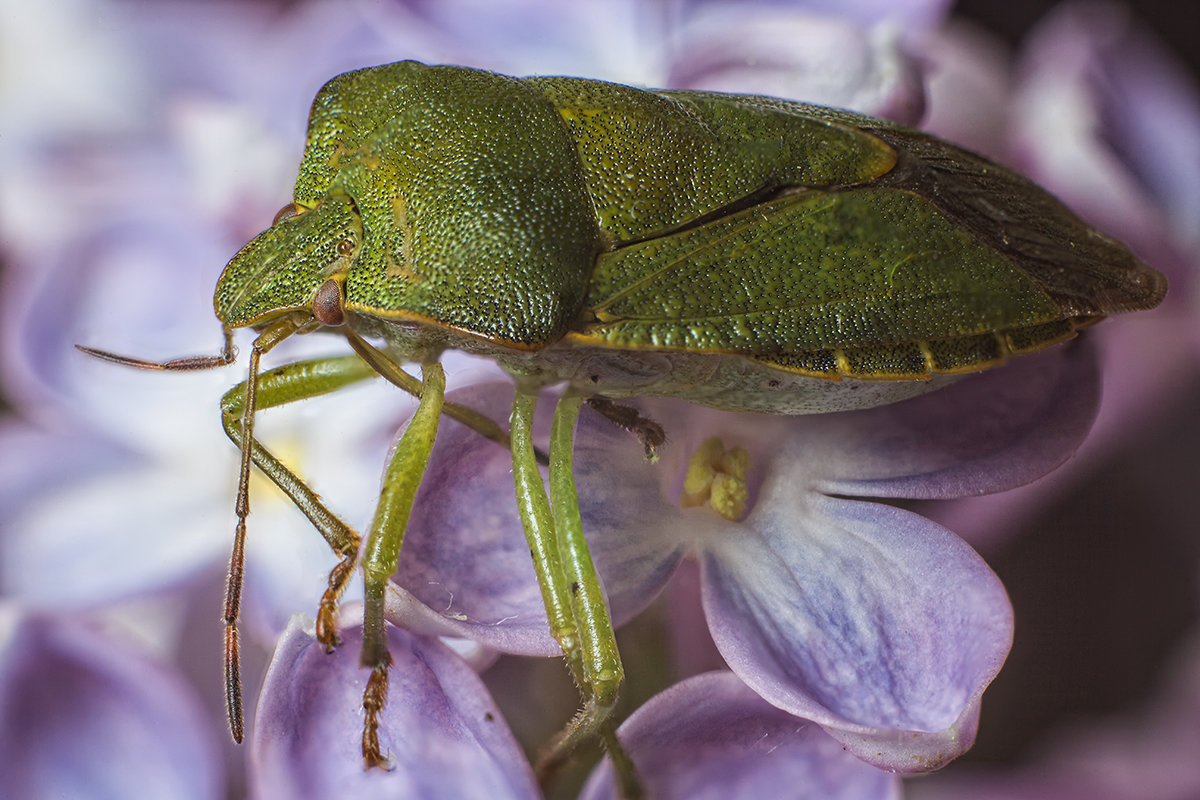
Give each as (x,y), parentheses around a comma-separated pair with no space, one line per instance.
(717,477)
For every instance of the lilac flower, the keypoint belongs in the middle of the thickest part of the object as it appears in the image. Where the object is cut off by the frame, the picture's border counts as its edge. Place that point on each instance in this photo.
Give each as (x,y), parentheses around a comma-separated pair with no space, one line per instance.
(117,216)
(125,468)
(853,55)
(1104,115)
(871,621)
(444,733)
(1108,120)
(711,737)
(76,703)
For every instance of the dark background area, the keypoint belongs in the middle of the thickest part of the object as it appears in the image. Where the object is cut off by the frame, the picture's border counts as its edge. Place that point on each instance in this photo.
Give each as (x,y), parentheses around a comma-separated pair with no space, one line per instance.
(1104,583)
(1176,21)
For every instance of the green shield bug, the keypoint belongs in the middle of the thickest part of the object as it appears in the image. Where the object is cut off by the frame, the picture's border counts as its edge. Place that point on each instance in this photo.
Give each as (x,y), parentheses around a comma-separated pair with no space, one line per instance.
(743,252)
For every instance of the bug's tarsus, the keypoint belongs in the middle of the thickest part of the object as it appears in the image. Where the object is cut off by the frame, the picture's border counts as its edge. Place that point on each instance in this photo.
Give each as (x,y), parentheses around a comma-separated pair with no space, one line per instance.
(649,433)
(339,578)
(629,785)
(373,700)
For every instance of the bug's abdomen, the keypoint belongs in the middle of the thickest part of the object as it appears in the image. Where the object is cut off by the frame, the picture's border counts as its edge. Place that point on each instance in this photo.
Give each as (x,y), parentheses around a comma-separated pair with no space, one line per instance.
(919,360)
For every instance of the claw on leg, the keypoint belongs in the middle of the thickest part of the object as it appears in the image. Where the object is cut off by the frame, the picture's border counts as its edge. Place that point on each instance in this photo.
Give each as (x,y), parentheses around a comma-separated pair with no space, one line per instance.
(339,577)
(373,699)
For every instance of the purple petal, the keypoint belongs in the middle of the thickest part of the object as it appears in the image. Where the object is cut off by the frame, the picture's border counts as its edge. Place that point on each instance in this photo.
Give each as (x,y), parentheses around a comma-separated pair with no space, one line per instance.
(968,88)
(1107,122)
(83,714)
(445,736)
(1147,751)
(77,547)
(465,559)
(105,286)
(913,15)
(711,737)
(610,39)
(865,618)
(800,54)
(988,432)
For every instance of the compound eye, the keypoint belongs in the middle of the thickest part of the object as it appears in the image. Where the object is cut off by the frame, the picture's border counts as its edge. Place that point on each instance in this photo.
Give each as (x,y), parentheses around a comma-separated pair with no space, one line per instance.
(287,212)
(345,247)
(327,304)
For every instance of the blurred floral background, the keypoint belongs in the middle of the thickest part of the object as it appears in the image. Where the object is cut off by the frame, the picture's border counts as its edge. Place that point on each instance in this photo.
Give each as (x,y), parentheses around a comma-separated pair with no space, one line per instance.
(142,143)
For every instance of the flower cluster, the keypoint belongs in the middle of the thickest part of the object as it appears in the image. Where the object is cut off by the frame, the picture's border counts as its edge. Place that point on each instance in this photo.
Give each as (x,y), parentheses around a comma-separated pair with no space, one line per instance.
(832,639)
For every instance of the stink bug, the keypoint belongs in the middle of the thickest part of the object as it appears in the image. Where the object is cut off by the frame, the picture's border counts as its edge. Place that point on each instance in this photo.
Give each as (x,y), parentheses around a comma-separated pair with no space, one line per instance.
(742,252)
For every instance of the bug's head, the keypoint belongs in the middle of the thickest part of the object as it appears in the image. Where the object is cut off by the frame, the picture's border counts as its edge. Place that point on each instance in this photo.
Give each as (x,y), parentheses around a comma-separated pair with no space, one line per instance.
(287,268)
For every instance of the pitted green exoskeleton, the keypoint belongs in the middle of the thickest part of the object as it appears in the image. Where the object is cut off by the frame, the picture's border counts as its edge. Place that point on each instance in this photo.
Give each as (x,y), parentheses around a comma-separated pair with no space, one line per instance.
(742,252)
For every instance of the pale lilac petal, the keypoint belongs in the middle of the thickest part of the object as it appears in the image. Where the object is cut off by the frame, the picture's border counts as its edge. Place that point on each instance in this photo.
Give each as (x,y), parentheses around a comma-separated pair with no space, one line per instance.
(968,88)
(1151,112)
(465,561)
(711,737)
(105,287)
(619,40)
(986,433)
(89,79)
(630,510)
(159,517)
(441,730)
(799,54)
(84,714)
(116,534)
(915,16)
(870,620)
(1108,123)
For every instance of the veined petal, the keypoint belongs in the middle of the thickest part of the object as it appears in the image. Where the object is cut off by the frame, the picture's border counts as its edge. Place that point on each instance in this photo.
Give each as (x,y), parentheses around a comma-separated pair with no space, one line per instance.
(445,736)
(872,621)
(465,568)
(711,737)
(986,433)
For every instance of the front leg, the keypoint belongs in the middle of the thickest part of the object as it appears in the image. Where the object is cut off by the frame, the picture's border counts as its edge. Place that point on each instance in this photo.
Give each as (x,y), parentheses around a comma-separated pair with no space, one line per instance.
(287,384)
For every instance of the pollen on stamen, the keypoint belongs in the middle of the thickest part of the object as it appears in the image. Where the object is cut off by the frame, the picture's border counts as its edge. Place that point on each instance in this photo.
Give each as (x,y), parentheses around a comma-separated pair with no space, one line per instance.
(716,477)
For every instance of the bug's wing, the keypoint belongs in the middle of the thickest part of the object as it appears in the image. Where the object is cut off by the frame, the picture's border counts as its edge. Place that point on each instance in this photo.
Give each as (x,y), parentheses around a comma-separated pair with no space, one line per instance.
(1084,271)
(943,252)
(809,271)
(875,281)
(655,161)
